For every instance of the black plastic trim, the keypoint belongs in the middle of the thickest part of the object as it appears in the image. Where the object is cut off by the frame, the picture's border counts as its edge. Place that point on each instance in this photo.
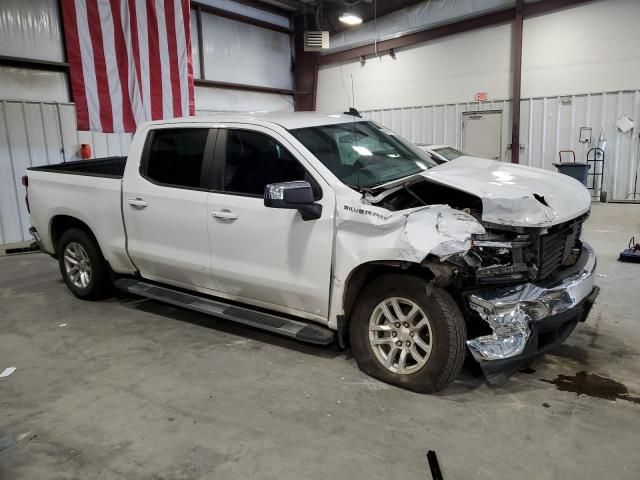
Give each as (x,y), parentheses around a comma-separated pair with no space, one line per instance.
(68,167)
(206,175)
(219,158)
(342,334)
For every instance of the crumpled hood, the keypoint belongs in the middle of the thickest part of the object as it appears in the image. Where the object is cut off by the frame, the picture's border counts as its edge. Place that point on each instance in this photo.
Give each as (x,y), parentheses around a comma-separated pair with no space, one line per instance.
(508,192)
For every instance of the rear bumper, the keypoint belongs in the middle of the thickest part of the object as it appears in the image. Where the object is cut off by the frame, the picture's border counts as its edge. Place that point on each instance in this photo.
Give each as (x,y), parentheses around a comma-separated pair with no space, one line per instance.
(529,319)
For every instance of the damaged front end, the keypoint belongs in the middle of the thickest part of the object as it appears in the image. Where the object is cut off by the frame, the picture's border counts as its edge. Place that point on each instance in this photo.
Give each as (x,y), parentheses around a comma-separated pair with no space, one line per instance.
(523,288)
(529,318)
(528,288)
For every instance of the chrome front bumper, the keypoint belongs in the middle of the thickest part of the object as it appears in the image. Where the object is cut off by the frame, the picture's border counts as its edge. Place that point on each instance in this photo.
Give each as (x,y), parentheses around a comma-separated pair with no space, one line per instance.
(514,312)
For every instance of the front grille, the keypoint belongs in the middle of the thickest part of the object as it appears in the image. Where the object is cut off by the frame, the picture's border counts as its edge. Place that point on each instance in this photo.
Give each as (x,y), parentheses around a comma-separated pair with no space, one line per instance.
(556,245)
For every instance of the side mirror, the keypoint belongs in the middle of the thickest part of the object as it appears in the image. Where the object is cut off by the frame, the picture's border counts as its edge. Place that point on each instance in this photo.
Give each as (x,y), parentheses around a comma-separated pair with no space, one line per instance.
(293,195)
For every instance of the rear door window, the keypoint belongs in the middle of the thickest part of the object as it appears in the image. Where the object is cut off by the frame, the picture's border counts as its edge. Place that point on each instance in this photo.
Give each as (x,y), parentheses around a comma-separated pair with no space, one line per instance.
(175,156)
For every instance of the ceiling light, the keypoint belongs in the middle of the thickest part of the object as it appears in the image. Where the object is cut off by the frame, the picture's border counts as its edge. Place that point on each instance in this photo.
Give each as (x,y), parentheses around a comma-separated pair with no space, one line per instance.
(350,18)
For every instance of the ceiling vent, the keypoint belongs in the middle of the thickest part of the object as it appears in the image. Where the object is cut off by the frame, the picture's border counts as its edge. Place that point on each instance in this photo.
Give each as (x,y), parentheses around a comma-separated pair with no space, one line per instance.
(316,41)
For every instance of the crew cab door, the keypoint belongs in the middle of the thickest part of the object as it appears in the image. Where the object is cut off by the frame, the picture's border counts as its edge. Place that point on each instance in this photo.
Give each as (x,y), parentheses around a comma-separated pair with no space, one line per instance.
(266,256)
(165,206)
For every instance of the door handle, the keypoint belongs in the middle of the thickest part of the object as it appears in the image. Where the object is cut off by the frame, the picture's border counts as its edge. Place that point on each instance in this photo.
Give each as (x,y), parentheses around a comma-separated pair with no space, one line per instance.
(137,202)
(224,215)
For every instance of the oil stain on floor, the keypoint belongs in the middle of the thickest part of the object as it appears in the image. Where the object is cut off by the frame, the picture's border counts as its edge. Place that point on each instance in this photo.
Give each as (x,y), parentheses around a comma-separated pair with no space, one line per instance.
(592,385)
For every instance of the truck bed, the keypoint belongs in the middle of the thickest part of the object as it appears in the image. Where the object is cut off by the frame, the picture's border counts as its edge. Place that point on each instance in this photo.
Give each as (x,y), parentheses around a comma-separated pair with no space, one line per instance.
(89,191)
(111,167)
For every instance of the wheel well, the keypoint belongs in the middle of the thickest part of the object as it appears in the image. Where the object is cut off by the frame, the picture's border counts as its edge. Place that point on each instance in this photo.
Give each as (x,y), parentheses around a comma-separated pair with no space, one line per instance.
(62,223)
(365,273)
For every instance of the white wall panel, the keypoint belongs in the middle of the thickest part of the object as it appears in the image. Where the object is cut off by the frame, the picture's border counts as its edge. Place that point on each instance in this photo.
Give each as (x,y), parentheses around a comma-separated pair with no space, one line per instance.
(578,50)
(31,29)
(27,84)
(590,48)
(223,100)
(547,125)
(443,71)
(235,52)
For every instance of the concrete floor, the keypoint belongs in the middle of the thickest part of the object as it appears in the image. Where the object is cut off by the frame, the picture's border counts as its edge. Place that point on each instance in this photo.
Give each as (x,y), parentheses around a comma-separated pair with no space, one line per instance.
(133,389)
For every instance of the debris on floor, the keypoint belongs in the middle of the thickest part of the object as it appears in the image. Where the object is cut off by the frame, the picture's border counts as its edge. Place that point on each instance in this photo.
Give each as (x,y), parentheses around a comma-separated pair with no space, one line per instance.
(9,440)
(631,254)
(7,371)
(434,465)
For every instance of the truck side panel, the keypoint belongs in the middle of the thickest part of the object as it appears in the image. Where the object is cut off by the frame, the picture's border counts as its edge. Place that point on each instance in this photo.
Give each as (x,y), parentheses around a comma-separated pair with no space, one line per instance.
(95,201)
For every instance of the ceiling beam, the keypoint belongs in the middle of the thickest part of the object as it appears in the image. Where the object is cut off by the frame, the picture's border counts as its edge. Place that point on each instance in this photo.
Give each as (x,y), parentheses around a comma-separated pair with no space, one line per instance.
(19,62)
(288,6)
(271,7)
(219,12)
(481,21)
(548,6)
(240,86)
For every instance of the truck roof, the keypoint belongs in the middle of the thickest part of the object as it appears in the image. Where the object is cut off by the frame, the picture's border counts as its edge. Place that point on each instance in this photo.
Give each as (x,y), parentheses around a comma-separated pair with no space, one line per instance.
(288,120)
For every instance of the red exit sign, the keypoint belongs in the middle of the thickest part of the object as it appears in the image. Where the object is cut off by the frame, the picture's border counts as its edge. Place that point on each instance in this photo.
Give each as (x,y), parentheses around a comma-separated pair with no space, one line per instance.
(481,96)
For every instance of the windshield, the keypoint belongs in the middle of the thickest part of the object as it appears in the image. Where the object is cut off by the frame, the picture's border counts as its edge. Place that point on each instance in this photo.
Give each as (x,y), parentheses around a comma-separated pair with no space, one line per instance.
(363,154)
(449,153)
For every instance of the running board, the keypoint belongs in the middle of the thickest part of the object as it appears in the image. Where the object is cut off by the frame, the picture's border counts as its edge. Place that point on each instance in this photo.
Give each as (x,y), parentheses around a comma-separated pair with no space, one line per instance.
(305,332)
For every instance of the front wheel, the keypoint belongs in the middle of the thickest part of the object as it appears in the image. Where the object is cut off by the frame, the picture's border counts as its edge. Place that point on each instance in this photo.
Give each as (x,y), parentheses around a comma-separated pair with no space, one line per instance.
(407,335)
(82,266)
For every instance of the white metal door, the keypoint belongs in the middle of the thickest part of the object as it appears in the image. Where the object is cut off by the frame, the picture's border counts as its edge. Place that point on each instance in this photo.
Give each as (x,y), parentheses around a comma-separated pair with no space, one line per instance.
(167,232)
(166,226)
(481,134)
(272,257)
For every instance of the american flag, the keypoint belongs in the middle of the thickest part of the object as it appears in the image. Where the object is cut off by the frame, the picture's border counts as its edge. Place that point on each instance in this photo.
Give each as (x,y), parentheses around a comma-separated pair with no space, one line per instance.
(129,61)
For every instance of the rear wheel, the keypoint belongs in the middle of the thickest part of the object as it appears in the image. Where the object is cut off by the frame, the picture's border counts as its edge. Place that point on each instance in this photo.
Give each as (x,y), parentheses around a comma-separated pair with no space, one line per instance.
(407,335)
(82,267)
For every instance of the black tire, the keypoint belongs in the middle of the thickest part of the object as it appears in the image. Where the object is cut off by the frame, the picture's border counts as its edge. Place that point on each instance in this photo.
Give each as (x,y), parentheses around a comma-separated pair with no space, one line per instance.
(448,330)
(99,285)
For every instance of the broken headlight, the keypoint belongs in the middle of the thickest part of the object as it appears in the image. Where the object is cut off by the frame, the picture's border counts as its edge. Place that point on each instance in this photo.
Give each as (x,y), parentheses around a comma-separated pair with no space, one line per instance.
(496,259)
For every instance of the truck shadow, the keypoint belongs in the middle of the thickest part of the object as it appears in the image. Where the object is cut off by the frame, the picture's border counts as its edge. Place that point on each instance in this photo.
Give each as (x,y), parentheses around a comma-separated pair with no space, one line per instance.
(215,323)
(471,378)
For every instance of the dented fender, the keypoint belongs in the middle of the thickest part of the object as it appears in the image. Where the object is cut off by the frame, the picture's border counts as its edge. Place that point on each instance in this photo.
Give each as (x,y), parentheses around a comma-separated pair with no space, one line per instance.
(366,233)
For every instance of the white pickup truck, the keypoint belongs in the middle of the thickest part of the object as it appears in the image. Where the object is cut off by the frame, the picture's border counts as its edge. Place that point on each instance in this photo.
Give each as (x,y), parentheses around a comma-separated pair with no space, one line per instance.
(329,227)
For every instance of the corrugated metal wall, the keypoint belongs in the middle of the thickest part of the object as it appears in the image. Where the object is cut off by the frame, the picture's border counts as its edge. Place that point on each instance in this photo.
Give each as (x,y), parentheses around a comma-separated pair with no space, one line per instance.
(547,125)
(40,133)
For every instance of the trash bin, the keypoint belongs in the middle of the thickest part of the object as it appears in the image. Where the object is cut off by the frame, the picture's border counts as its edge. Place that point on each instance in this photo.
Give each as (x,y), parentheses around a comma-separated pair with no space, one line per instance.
(576,170)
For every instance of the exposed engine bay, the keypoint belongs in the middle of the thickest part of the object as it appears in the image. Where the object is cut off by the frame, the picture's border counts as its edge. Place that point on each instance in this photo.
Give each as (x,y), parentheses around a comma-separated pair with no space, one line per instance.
(503,254)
